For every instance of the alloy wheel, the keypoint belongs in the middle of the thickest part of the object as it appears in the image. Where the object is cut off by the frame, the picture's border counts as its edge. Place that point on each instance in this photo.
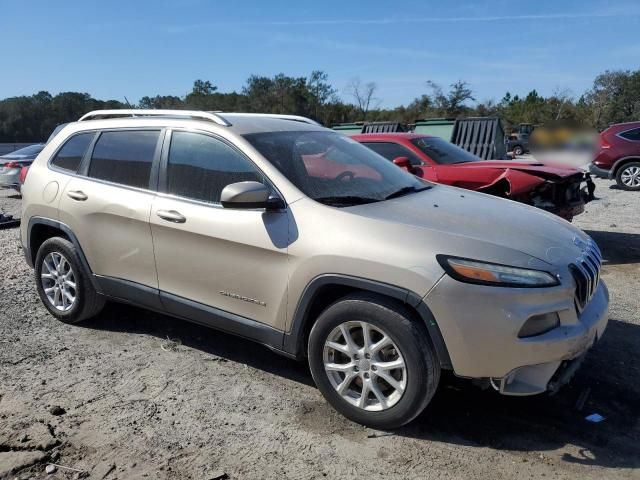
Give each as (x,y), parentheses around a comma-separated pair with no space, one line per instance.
(365,366)
(630,176)
(58,282)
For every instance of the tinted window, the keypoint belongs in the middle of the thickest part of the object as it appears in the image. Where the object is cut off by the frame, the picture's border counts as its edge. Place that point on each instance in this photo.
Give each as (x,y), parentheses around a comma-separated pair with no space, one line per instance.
(443,152)
(391,151)
(200,167)
(632,134)
(70,155)
(124,157)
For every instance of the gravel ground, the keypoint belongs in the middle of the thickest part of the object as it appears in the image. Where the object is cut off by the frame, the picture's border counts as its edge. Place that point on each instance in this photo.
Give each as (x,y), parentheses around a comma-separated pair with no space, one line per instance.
(134,394)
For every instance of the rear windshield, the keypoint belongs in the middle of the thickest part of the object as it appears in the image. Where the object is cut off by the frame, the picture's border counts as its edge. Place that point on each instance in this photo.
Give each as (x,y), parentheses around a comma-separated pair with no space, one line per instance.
(30,150)
(443,152)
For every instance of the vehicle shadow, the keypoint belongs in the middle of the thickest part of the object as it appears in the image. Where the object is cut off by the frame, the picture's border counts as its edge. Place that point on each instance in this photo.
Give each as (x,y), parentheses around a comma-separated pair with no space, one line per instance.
(617,248)
(125,318)
(461,413)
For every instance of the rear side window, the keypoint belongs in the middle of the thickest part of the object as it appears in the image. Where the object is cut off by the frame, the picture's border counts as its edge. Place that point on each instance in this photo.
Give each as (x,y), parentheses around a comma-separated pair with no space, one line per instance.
(70,155)
(391,151)
(632,134)
(200,166)
(124,157)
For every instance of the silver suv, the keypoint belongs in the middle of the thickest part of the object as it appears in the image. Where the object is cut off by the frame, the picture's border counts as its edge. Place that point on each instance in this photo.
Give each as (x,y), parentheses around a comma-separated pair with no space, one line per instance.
(281,231)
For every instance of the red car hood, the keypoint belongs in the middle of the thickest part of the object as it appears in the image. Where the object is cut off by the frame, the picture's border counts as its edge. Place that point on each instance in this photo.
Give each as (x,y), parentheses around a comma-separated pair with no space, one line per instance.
(533,168)
(520,177)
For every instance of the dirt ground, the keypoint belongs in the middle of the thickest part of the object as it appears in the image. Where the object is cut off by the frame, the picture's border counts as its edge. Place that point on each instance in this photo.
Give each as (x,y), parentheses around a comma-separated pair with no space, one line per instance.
(134,394)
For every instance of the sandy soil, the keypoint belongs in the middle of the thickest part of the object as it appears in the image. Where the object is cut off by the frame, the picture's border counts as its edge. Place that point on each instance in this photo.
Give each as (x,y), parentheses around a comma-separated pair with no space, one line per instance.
(134,394)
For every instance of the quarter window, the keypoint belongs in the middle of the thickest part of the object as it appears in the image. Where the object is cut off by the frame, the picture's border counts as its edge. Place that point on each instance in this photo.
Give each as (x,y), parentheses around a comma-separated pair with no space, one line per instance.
(124,157)
(70,155)
(391,151)
(200,166)
(632,134)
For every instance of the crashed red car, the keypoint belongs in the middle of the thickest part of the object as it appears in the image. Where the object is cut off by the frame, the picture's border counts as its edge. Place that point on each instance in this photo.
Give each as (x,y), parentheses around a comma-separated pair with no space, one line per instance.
(563,191)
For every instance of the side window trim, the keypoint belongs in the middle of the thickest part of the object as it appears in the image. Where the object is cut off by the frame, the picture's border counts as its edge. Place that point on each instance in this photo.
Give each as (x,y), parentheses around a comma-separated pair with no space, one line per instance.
(164,163)
(83,170)
(62,145)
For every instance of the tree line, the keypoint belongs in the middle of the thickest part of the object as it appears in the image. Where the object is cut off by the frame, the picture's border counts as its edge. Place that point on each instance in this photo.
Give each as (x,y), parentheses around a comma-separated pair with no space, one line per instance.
(614,97)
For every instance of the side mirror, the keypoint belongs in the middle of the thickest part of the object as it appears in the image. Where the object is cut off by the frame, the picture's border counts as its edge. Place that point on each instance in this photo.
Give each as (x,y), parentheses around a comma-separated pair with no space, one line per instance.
(248,195)
(402,162)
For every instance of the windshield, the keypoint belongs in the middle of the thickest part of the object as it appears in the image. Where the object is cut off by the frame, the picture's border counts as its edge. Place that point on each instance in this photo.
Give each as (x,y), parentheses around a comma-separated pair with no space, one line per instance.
(334,169)
(443,152)
(30,150)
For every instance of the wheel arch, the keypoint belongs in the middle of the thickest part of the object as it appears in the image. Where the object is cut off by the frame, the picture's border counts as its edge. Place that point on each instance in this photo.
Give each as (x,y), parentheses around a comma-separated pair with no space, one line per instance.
(326,289)
(40,229)
(621,162)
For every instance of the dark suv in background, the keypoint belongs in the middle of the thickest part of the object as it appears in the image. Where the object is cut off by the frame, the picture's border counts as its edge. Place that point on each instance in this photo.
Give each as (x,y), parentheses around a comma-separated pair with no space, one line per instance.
(619,155)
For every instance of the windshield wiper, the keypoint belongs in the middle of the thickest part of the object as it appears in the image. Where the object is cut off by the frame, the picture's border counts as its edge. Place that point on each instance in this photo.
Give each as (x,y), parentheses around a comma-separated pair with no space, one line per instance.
(405,191)
(346,200)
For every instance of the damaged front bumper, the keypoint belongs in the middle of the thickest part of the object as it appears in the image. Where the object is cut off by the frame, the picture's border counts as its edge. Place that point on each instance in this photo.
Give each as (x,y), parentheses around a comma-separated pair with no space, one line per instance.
(565,198)
(551,376)
(481,333)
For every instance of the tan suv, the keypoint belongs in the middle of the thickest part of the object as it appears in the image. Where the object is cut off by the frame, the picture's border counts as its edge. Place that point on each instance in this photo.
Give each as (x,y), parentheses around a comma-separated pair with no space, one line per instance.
(276,229)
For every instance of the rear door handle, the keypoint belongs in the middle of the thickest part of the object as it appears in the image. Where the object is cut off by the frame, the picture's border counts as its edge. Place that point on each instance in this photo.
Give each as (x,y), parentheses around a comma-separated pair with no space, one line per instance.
(171,216)
(77,195)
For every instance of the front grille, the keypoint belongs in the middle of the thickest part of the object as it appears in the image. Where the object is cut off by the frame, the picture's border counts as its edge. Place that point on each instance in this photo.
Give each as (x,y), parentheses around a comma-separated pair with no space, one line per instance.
(586,273)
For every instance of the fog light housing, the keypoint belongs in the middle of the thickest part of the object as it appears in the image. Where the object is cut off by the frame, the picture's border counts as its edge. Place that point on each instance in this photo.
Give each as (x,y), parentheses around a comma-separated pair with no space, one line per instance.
(539,324)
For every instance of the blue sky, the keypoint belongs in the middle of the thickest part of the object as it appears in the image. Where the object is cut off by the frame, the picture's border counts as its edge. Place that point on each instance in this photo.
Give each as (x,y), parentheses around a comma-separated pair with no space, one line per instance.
(133,48)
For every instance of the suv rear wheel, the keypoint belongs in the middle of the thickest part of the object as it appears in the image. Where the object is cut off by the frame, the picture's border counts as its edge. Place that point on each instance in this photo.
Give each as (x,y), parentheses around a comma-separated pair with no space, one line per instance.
(372,362)
(628,176)
(64,284)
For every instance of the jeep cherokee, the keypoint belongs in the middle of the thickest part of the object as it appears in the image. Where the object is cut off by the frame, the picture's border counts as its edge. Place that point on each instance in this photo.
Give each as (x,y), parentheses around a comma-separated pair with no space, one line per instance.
(379,279)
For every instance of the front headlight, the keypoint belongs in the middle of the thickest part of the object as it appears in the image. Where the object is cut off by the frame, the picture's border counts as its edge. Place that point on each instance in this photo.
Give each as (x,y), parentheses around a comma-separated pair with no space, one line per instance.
(483,273)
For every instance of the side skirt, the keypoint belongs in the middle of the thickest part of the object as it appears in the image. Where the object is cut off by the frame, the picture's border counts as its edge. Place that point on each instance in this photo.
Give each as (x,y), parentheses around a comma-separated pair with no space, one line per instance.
(153,299)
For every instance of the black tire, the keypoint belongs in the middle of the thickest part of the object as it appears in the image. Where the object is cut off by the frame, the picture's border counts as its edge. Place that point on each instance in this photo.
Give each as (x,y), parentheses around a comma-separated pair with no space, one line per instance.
(518,150)
(411,339)
(619,173)
(88,302)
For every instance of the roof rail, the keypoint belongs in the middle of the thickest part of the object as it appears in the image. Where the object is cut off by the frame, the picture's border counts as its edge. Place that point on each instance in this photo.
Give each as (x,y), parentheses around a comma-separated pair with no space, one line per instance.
(295,118)
(135,112)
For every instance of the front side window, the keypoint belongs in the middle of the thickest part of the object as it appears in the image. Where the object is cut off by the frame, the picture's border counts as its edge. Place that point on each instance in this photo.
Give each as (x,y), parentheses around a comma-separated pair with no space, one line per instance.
(124,157)
(333,169)
(200,166)
(71,154)
(633,135)
(443,152)
(391,151)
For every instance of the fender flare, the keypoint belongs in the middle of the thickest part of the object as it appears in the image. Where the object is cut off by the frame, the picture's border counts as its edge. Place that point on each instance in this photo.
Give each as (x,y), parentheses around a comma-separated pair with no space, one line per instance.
(616,165)
(29,255)
(293,341)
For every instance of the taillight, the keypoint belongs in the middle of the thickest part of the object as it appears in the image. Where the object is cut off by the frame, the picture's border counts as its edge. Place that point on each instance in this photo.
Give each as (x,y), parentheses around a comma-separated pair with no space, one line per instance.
(604,145)
(23,174)
(12,165)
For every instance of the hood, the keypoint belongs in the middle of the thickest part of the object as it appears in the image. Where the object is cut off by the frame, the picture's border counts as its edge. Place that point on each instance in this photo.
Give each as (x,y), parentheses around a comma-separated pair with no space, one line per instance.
(519,178)
(470,224)
(538,169)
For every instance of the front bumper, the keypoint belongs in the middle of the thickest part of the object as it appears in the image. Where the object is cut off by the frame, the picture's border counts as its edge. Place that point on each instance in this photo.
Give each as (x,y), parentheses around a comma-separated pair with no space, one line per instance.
(599,172)
(480,328)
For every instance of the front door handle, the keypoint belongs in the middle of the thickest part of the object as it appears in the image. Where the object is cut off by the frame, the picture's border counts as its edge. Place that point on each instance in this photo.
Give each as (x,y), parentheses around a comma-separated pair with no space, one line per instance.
(171,216)
(77,195)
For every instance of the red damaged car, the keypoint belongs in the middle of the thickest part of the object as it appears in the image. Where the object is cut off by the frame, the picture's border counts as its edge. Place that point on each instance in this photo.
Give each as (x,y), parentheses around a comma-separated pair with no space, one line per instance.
(563,191)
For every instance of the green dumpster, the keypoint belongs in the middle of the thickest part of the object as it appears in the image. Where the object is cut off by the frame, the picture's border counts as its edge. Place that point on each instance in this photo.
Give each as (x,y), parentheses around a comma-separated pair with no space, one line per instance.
(438,127)
(348,128)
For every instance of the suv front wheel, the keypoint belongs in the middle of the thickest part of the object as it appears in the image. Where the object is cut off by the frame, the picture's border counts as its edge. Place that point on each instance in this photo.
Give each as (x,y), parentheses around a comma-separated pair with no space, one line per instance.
(63,283)
(372,361)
